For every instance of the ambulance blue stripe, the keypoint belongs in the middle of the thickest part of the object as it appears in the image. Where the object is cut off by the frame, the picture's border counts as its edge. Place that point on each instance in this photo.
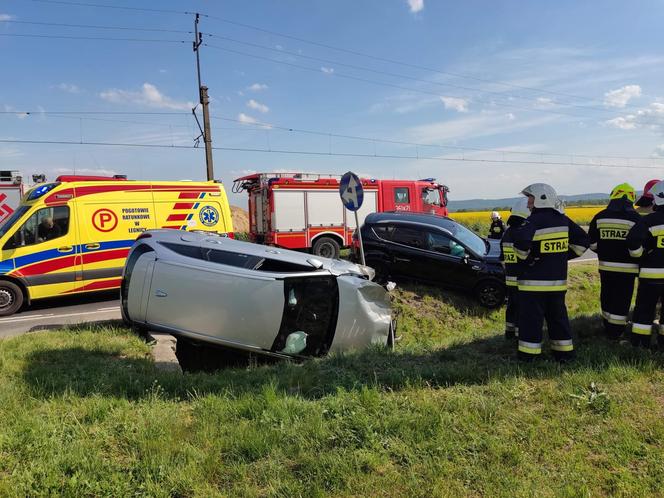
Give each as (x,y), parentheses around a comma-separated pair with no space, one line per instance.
(196,205)
(41,256)
(6,266)
(202,195)
(190,216)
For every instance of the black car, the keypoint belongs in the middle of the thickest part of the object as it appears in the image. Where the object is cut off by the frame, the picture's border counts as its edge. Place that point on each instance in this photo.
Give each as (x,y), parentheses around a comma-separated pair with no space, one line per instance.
(435,250)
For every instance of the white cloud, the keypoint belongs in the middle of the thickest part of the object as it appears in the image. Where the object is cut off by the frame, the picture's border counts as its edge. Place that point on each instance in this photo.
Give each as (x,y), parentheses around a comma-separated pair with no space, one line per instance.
(257,87)
(6,17)
(621,96)
(623,122)
(544,102)
(327,70)
(19,115)
(149,96)
(416,5)
(68,87)
(659,151)
(257,106)
(459,105)
(246,119)
(510,116)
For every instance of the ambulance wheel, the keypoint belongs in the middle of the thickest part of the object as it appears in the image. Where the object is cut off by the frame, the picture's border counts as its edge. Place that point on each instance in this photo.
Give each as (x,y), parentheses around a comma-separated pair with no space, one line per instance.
(490,293)
(11,298)
(326,247)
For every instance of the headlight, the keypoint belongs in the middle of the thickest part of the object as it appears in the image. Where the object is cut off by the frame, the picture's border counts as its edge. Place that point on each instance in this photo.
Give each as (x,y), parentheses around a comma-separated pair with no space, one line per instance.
(367,271)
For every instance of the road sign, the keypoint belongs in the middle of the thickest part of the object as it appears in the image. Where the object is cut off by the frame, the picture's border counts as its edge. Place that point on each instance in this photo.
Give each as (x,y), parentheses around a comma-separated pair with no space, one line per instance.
(351,192)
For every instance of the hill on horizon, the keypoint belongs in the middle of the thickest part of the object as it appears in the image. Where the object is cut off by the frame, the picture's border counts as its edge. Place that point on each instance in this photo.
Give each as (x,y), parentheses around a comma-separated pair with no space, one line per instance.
(487,204)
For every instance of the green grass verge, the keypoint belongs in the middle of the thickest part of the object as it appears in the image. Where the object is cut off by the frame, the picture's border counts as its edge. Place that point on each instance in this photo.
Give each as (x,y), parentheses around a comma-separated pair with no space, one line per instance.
(83,412)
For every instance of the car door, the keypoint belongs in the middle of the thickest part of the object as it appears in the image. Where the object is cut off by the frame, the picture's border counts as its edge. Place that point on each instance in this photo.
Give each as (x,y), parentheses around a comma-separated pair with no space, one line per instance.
(447,262)
(44,252)
(406,246)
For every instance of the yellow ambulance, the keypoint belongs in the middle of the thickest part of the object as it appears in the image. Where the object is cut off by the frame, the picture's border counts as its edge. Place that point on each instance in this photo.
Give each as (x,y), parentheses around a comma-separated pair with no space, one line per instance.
(73,235)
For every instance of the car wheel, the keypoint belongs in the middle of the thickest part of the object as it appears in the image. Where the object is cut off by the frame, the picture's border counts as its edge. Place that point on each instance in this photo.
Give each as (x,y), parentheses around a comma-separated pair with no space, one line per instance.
(490,293)
(326,247)
(11,298)
(382,271)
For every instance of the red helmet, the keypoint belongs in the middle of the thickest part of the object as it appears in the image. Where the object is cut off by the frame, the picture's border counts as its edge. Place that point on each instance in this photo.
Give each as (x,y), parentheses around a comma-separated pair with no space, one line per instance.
(646,198)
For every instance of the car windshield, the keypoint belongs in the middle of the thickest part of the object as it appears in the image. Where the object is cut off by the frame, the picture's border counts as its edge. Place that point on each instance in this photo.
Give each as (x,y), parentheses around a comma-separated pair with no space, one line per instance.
(474,242)
(11,221)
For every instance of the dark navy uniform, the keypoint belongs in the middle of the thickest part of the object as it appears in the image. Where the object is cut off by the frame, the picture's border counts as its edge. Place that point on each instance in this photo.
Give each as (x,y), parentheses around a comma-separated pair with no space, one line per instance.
(513,268)
(617,269)
(497,229)
(645,241)
(544,245)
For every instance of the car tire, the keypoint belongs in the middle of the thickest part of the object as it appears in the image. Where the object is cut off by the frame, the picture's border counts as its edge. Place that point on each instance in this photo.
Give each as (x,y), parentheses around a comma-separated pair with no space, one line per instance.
(382,271)
(11,298)
(490,293)
(326,247)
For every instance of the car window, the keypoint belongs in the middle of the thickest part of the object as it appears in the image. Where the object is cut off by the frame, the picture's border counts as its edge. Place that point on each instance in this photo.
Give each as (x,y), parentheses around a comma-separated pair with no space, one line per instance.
(431,197)
(470,239)
(409,237)
(443,244)
(401,195)
(384,231)
(45,224)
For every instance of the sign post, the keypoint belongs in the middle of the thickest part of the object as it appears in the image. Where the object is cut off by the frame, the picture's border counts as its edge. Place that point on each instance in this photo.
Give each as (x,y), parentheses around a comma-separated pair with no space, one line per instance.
(352,196)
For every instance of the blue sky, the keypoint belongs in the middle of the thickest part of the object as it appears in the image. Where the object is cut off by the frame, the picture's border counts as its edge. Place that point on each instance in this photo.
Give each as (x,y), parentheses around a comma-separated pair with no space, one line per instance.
(532,82)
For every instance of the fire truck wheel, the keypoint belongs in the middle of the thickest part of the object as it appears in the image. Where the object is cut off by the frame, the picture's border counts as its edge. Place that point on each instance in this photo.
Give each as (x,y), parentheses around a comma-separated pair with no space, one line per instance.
(11,298)
(326,247)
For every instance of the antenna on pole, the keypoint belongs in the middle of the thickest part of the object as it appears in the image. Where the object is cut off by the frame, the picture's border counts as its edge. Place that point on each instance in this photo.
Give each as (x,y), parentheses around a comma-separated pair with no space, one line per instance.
(204,101)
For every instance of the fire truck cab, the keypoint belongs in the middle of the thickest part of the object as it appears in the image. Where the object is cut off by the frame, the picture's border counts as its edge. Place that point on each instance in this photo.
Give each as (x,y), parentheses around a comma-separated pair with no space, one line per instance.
(304,211)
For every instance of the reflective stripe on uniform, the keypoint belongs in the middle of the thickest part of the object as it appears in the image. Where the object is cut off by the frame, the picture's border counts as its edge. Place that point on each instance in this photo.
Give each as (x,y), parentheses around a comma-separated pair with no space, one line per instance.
(551,233)
(578,250)
(651,273)
(521,254)
(562,345)
(657,230)
(614,319)
(507,244)
(510,327)
(614,223)
(619,267)
(641,328)
(530,347)
(593,246)
(542,285)
(511,281)
(636,253)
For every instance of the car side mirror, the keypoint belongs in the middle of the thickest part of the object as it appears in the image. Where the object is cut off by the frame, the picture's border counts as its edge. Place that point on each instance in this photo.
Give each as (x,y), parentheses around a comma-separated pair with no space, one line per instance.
(465,259)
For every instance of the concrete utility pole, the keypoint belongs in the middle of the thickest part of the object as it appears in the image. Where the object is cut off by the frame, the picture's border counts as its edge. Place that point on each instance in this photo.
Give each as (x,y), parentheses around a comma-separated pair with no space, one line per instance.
(205,102)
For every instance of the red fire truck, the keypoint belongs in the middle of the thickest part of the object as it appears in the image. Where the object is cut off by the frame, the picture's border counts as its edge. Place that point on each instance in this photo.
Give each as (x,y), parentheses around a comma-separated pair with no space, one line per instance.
(304,211)
(11,191)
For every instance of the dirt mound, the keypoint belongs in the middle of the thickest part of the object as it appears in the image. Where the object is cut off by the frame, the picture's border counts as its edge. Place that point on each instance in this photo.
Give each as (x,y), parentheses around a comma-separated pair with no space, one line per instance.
(240,219)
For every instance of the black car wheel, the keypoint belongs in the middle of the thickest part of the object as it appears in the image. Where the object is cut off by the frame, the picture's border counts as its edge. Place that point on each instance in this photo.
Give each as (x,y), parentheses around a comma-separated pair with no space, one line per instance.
(326,247)
(490,293)
(11,298)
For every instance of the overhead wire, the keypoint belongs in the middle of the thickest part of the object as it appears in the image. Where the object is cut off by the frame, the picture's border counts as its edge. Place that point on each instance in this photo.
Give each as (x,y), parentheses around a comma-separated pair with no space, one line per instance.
(96,26)
(106,6)
(328,154)
(102,38)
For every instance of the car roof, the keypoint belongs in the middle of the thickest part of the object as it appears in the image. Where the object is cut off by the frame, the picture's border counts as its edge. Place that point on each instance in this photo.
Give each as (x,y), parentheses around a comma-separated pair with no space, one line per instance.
(421,218)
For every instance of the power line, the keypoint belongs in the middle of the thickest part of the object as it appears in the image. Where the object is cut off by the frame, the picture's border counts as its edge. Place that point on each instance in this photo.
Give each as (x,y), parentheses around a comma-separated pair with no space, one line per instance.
(95,26)
(398,75)
(69,37)
(329,154)
(269,126)
(117,7)
(400,87)
(136,113)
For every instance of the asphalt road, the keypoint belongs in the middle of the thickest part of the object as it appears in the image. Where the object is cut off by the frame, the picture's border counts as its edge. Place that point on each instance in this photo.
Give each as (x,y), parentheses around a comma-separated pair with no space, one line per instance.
(51,314)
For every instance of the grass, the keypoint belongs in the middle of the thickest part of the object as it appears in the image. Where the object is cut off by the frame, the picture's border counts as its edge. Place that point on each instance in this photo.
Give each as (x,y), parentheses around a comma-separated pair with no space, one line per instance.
(83,412)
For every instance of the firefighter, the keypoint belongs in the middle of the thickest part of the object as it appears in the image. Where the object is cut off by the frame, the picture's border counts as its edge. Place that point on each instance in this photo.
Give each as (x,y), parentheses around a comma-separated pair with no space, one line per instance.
(497,228)
(515,223)
(544,246)
(644,205)
(617,269)
(645,241)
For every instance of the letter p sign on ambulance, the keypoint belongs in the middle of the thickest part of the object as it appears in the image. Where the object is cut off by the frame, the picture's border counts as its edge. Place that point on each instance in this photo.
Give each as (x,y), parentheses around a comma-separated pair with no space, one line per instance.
(104,220)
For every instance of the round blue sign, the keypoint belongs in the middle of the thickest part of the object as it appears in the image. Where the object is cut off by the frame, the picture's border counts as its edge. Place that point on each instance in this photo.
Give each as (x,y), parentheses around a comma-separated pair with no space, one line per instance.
(351,192)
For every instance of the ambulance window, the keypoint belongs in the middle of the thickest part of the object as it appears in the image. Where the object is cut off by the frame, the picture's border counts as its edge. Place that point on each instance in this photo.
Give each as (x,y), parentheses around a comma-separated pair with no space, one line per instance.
(401,195)
(46,224)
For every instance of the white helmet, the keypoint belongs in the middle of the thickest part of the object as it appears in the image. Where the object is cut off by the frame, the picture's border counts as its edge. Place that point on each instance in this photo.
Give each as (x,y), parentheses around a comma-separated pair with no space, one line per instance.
(560,206)
(544,195)
(657,192)
(520,208)
(495,215)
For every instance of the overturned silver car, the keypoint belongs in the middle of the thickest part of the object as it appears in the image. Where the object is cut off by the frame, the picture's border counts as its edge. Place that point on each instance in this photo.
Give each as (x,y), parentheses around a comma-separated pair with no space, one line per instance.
(238,297)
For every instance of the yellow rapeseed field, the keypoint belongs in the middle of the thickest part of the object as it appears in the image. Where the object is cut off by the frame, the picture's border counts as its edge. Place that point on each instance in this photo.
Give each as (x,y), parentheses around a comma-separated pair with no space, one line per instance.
(581,215)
